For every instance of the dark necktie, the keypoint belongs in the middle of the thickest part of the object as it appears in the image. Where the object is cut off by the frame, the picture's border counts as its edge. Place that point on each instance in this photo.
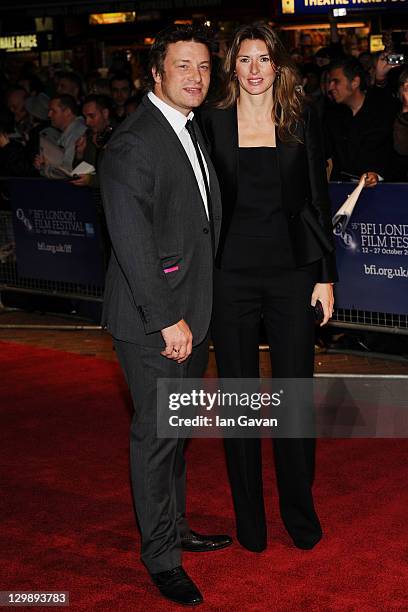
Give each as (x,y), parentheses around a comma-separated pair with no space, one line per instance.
(190,129)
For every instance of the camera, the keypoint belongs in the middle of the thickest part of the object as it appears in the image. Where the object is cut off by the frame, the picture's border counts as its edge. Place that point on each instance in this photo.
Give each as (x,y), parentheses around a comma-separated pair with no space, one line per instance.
(395,59)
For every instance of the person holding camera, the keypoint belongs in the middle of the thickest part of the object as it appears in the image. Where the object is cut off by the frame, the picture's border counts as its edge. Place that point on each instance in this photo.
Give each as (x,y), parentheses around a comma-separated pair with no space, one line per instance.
(359,126)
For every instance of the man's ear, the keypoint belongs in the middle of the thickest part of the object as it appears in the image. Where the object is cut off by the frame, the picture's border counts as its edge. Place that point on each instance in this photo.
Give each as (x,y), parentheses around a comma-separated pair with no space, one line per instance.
(105,114)
(156,75)
(355,83)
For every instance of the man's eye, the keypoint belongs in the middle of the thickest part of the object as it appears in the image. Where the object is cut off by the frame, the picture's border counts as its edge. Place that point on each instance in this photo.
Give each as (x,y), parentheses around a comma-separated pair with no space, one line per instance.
(204,68)
(265,59)
(243,60)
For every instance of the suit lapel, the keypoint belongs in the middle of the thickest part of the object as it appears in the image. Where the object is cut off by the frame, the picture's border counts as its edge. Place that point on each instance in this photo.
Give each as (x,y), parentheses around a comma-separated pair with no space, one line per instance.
(214,184)
(158,115)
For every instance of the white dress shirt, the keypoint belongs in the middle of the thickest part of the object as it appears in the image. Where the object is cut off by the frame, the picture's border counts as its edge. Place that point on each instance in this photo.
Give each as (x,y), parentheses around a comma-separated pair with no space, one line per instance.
(178,122)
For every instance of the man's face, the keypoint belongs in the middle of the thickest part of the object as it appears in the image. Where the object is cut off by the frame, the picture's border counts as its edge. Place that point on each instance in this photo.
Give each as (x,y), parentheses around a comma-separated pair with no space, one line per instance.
(95,118)
(65,86)
(340,88)
(120,92)
(57,115)
(15,103)
(185,79)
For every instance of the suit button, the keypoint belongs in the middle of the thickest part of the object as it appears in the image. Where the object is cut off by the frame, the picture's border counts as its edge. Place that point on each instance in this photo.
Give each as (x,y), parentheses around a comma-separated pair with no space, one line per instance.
(205,230)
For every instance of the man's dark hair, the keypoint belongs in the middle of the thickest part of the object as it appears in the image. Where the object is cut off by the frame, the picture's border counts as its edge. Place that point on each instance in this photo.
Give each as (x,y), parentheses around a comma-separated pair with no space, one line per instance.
(15,88)
(35,84)
(121,76)
(67,101)
(352,68)
(101,101)
(173,34)
(70,76)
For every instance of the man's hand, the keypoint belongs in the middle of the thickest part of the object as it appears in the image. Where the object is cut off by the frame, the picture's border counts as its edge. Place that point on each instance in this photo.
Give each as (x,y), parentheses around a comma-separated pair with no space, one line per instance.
(179,341)
(371,179)
(39,161)
(80,146)
(324,293)
(83,181)
(4,140)
(382,69)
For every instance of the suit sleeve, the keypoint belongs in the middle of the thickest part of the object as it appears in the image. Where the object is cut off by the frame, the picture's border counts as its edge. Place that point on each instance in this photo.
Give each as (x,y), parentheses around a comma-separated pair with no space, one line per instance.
(128,176)
(319,189)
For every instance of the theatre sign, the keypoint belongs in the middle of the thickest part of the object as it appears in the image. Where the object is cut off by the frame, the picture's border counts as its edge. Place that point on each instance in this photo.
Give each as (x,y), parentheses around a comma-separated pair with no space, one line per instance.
(312,7)
(18,42)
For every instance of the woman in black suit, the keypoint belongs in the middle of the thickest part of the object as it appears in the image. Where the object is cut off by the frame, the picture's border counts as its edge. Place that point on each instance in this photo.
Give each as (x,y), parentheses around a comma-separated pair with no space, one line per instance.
(274,262)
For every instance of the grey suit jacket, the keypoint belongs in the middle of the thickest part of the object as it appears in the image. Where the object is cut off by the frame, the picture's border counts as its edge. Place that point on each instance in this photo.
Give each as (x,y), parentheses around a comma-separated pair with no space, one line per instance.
(157,221)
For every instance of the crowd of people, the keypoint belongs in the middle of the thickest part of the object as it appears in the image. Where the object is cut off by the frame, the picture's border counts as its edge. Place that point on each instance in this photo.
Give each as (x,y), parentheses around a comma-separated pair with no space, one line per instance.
(361,101)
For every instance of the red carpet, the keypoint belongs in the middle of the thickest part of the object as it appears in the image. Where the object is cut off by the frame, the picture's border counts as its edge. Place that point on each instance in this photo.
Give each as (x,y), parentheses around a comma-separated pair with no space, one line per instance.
(67,519)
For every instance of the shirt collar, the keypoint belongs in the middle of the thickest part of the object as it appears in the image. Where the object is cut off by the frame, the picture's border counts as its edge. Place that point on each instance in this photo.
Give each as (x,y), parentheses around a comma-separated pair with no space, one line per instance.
(176,119)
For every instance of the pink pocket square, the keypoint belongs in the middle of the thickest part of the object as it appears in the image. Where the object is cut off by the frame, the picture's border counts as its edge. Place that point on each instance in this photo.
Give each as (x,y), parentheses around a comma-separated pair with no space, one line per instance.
(172,269)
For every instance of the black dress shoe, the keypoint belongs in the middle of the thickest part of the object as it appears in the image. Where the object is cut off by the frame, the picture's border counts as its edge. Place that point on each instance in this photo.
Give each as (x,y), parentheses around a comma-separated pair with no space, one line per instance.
(195,542)
(176,584)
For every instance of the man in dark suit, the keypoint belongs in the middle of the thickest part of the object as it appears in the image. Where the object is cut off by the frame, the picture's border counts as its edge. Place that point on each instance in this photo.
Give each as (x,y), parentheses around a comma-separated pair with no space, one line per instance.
(162,205)
(358,128)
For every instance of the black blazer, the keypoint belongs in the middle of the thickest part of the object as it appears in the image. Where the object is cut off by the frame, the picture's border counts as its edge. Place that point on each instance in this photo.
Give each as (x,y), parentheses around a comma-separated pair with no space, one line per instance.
(161,266)
(305,196)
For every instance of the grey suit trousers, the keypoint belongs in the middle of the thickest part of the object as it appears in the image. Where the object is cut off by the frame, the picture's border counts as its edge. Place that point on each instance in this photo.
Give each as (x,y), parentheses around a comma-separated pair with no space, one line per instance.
(157,465)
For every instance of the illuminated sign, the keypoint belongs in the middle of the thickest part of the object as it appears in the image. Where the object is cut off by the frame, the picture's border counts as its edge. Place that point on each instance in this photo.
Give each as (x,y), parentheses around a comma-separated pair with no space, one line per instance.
(20,42)
(311,7)
(376,43)
(110,18)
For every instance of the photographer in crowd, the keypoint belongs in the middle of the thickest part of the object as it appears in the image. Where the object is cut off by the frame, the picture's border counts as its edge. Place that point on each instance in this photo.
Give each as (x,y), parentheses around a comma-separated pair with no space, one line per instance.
(97,111)
(358,127)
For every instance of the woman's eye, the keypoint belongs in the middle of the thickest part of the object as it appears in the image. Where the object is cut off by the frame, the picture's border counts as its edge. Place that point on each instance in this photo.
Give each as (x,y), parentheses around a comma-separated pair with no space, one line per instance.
(265,59)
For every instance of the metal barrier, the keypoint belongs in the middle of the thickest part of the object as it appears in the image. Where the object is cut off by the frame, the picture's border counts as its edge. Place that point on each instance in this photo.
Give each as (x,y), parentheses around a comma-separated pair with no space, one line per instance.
(372,256)
(370,321)
(10,280)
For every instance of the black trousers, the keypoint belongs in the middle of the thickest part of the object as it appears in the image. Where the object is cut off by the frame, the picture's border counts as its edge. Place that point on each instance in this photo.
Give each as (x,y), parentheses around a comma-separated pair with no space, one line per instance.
(248,288)
(157,465)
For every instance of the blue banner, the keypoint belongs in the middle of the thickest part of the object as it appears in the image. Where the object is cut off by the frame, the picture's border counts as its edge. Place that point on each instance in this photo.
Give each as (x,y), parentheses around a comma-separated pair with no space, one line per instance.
(372,253)
(56,231)
(314,7)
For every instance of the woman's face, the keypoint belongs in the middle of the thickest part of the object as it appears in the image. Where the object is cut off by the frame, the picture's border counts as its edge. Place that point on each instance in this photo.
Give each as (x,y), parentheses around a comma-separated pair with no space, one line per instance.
(254,69)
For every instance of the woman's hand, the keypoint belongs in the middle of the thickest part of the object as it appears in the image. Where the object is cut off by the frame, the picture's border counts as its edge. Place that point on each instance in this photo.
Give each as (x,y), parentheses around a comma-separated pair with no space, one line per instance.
(324,293)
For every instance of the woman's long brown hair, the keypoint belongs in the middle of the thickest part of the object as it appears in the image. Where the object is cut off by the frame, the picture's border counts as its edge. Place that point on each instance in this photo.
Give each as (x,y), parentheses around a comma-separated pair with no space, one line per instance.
(287,91)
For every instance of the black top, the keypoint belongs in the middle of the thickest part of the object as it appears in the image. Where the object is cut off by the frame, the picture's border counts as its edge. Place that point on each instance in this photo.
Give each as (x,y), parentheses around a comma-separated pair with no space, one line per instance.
(302,173)
(258,212)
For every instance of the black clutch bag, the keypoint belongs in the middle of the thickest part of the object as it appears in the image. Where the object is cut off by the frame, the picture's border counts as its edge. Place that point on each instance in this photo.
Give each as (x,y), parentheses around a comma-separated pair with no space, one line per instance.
(318,312)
